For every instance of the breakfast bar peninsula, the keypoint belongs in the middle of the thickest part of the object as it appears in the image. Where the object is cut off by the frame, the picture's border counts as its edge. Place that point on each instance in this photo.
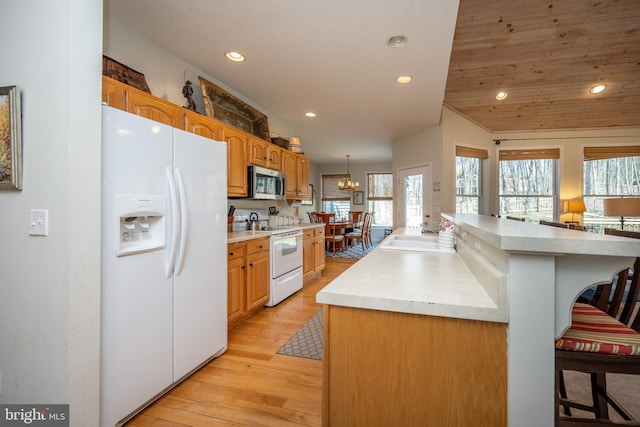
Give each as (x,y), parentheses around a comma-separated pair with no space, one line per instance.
(417,336)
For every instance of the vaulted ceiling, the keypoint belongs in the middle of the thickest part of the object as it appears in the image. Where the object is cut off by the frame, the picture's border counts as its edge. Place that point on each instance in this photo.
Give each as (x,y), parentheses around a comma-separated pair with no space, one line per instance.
(331,57)
(546,55)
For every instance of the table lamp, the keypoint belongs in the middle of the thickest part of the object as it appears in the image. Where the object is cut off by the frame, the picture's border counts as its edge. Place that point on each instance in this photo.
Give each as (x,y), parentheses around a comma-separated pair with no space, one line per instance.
(624,206)
(573,207)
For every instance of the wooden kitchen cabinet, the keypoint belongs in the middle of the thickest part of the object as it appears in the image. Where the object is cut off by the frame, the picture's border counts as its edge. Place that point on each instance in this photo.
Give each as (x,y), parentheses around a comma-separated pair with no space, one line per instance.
(257,273)
(313,257)
(248,278)
(157,109)
(417,370)
(296,168)
(235,281)
(258,151)
(237,173)
(114,93)
(274,157)
(265,154)
(202,125)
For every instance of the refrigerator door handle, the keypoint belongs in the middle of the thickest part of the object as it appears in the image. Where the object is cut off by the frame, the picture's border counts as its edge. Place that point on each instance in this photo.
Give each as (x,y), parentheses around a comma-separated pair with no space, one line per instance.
(184,223)
(173,197)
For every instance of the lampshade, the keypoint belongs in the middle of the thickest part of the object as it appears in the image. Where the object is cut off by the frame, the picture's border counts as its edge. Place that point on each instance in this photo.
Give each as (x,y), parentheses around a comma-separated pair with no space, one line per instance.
(624,206)
(574,206)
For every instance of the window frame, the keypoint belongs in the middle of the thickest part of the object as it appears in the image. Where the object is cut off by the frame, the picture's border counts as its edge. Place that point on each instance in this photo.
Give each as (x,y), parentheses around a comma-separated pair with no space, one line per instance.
(550,153)
(594,219)
(481,155)
(373,198)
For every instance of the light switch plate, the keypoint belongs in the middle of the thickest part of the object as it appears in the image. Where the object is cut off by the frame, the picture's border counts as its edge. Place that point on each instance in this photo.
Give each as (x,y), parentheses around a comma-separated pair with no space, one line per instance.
(38,222)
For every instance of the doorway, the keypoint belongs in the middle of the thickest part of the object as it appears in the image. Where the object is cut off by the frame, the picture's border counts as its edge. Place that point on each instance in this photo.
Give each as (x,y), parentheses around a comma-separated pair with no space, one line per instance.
(414,196)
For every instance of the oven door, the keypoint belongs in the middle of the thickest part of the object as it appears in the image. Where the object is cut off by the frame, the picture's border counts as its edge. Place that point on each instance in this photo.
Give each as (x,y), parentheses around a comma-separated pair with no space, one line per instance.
(286,253)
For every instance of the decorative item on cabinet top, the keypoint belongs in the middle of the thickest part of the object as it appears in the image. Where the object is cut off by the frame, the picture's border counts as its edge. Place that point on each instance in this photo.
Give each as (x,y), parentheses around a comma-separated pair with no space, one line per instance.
(221,105)
(122,73)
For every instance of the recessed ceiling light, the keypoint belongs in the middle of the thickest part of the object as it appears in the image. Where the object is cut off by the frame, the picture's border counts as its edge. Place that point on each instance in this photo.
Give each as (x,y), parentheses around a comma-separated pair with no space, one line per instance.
(234,56)
(597,89)
(310,114)
(397,41)
(404,79)
(501,95)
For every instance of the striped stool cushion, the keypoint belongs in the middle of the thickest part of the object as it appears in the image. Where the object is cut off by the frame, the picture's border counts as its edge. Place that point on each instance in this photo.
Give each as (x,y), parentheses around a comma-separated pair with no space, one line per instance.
(593,330)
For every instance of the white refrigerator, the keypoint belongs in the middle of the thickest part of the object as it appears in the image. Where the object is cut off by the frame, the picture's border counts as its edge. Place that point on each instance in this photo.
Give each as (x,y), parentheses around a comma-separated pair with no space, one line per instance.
(164,280)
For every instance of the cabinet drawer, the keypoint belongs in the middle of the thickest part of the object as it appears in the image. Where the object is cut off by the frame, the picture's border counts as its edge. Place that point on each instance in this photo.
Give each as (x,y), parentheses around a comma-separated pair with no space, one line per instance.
(308,233)
(257,245)
(235,251)
(319,232)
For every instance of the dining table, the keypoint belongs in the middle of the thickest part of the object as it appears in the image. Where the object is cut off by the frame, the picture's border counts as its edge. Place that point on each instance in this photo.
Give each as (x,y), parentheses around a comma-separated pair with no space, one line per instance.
(346,226)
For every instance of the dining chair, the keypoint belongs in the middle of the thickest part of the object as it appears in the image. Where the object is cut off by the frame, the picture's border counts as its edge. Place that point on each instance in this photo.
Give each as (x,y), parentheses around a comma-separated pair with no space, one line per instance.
(359,234)
(355,216)
(558,224)
(366,228)
(600,341)
(332,234)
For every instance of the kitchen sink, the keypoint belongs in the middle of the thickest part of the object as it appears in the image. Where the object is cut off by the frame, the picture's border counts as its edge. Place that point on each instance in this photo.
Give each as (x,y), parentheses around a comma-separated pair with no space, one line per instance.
(417,243)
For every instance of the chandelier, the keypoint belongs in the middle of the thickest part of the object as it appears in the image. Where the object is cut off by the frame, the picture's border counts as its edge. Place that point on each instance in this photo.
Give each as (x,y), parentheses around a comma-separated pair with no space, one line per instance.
(348,186)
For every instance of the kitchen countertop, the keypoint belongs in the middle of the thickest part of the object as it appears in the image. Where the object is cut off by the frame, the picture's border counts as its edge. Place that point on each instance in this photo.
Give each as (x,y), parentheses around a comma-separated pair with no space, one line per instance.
(244,235)
(472,283)
(438,284)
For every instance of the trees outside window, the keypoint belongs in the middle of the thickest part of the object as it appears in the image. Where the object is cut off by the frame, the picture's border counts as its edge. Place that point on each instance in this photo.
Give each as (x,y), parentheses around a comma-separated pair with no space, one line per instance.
(610,172)
(528,183)
(380,198)
(469,179)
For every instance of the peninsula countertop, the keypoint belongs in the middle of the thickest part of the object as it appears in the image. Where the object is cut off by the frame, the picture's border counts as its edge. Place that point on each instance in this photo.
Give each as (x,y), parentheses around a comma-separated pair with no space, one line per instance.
(428,283)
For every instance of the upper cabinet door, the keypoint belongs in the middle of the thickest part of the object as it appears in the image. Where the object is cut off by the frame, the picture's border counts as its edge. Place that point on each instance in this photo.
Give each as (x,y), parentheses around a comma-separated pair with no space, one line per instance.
(153,108)
(114,93)
(202,125)
(258,151)
(274,157)
(303,177)
(237,144)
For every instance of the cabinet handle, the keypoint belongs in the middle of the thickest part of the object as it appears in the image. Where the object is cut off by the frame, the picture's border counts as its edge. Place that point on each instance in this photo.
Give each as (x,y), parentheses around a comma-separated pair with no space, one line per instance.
(242,267)
(260,246)
(230,253)
(250,264)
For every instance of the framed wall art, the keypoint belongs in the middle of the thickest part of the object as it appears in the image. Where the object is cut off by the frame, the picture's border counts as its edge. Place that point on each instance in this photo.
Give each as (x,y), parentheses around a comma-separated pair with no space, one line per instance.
(10,139)
(358,197)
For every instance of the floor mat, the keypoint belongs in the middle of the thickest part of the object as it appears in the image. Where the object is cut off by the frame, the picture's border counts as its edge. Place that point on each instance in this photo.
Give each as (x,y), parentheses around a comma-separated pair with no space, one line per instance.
(354,251)
(308,342)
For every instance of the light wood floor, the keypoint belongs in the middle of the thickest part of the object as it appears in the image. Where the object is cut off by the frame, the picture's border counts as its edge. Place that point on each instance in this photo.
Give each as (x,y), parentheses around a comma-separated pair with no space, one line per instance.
(251,385)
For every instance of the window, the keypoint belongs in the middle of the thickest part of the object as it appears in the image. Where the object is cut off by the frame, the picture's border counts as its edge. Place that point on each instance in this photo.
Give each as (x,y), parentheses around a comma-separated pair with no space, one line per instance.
(380,198)
(334,200)
(609,172)
(469,179)
(528,183)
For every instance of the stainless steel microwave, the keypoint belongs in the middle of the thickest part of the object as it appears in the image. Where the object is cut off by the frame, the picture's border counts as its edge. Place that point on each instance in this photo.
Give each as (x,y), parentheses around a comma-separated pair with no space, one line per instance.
(266,184)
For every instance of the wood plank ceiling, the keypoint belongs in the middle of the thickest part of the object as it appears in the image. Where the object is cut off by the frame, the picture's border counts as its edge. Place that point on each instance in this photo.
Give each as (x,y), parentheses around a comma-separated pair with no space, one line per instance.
(546,55)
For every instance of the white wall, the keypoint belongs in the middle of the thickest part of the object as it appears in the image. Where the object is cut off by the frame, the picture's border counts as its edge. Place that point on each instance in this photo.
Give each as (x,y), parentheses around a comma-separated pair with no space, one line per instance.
(50,286)
(437,145)
(457,130)
(417,150)
(166,73)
